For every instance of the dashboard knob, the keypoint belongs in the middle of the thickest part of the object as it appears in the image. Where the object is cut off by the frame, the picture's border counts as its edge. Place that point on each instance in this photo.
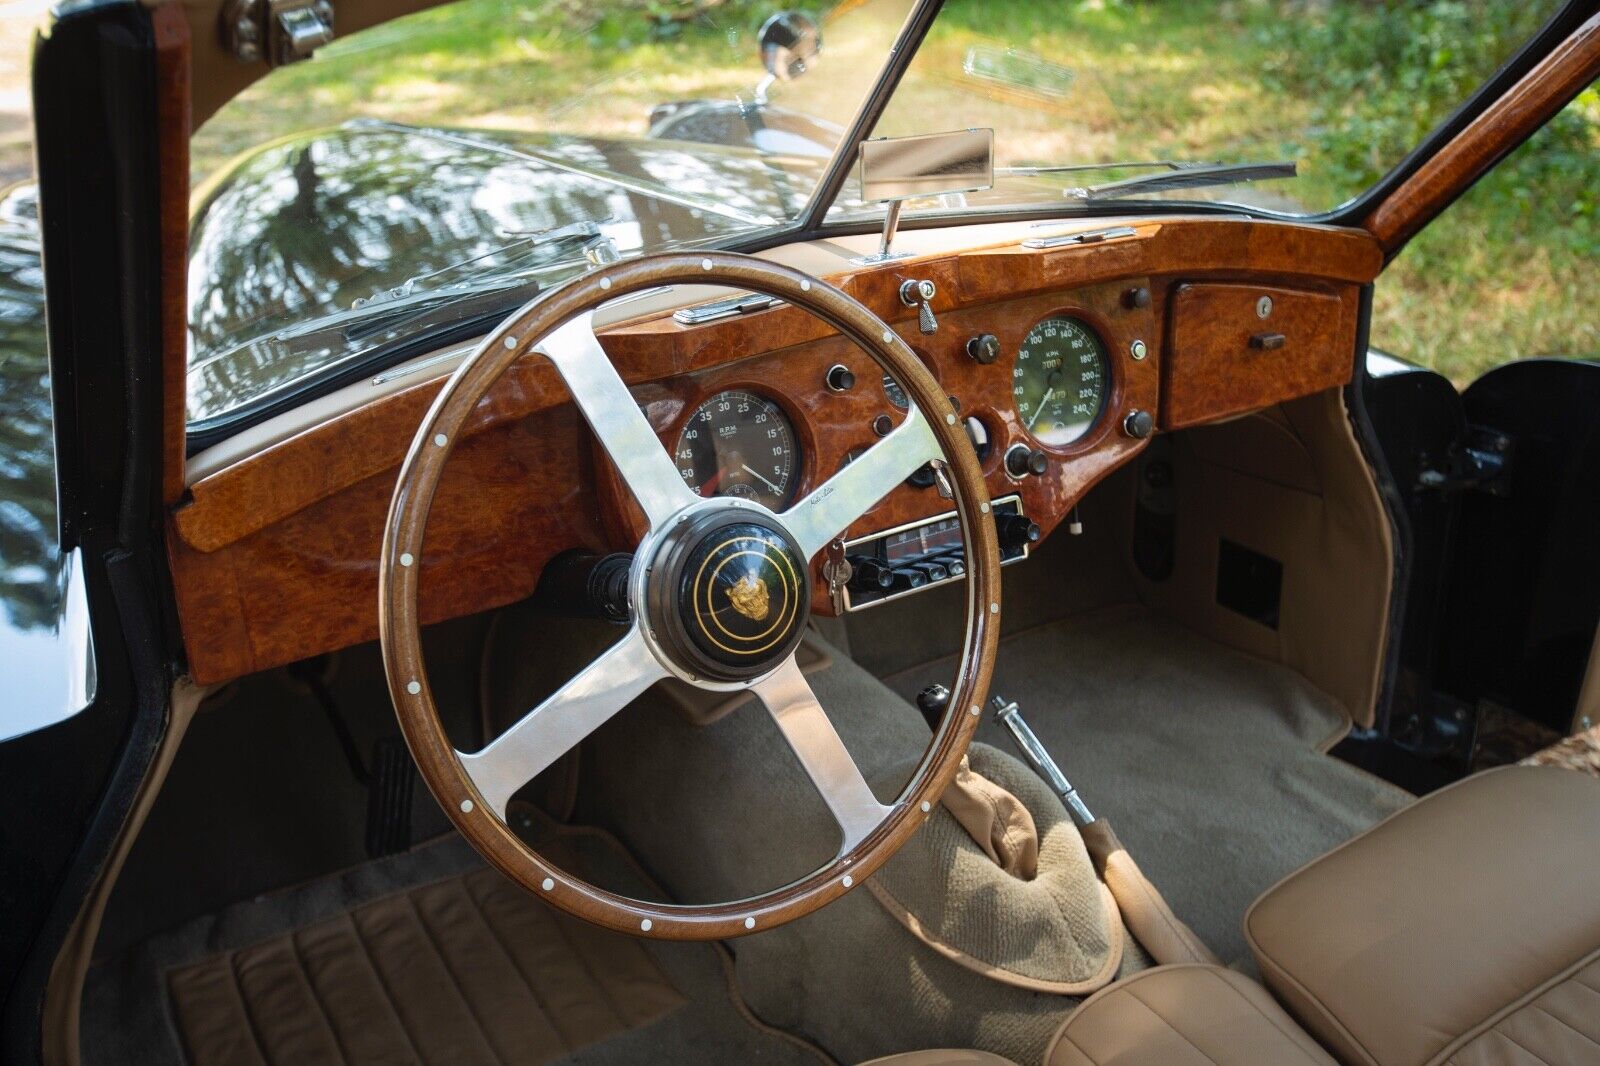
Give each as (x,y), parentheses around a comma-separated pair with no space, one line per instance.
(932,702)
(984,348)
(1022,460)
(841,378)
(1015,531)
(1136,298)
(923,477)
(869,575)
(1138,424)
(906,578)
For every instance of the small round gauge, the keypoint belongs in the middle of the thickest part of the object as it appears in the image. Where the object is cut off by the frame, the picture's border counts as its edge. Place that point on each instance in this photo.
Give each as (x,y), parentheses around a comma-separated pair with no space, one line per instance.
(739,444)
(1060,380)
(897,395)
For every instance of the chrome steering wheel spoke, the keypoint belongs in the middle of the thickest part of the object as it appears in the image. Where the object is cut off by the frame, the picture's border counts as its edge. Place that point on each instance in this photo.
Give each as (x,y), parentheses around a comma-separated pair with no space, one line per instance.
(811,736)
(615,417)
(847,495)
(557,725)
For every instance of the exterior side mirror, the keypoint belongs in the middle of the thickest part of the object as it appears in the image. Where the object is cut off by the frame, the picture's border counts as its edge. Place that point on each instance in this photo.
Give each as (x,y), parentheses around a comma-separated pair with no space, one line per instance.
(790,40)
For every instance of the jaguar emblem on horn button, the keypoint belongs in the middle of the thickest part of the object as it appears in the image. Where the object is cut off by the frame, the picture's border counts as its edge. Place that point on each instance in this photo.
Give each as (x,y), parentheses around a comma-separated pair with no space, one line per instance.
(749,597)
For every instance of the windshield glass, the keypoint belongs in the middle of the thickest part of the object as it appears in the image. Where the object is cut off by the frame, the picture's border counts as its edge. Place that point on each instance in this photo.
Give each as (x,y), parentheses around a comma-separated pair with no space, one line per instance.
(410,184)
(1342,91)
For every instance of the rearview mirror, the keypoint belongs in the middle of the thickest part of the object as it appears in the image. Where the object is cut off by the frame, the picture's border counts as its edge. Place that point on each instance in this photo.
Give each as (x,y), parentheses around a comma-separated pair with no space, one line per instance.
(790,40)
(900,168)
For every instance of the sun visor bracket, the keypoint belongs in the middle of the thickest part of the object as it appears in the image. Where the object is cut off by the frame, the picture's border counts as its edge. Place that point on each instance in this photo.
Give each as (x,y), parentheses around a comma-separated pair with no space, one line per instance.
(276,32)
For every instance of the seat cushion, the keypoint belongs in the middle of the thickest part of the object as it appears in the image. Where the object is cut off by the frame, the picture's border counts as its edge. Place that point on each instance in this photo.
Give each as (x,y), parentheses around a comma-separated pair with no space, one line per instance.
(1462,929)
(941,1057)
(1181,1015)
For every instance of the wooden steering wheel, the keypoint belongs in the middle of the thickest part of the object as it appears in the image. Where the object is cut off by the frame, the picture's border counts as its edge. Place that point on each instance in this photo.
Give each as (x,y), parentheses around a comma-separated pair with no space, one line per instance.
(699,557)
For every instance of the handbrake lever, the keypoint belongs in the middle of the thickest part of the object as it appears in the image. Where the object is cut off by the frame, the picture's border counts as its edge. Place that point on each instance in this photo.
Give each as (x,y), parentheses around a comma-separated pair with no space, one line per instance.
(1010,715)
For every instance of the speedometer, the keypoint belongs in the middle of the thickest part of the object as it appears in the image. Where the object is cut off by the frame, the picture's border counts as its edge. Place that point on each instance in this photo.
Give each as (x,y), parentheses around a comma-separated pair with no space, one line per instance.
(739,444)
(1060,380)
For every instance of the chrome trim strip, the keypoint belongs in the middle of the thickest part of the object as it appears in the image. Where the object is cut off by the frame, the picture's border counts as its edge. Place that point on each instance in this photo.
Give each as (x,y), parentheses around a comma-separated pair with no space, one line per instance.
(411,368)
(742,304)
(1092,236)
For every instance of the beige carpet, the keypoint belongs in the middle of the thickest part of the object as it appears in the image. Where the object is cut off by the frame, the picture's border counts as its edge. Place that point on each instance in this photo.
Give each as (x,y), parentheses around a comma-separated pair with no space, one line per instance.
(1209,762)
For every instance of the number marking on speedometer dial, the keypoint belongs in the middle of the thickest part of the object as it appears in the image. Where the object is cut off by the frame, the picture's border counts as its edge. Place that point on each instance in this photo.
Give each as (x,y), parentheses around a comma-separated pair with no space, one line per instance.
(739,444)
(1059,382)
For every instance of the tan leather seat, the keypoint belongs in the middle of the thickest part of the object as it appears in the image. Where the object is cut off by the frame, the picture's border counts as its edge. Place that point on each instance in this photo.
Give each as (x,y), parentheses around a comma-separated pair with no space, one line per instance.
(1182,1015)
(941,1057)
(1169,1016)
(1465,929)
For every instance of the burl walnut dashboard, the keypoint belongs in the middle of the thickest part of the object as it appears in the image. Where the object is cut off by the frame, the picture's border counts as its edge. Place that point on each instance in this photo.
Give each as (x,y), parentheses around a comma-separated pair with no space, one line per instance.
(1062,350)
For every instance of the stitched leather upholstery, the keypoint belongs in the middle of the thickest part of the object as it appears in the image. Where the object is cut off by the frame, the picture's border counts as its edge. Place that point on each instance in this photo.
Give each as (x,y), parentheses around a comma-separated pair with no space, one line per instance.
(467,970)
(941,1057)
(1185,1015)
(1560,1026)
(1464,929)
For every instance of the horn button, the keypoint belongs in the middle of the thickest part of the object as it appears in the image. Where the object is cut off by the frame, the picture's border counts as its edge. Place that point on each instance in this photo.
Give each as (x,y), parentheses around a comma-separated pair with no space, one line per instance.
(728,595)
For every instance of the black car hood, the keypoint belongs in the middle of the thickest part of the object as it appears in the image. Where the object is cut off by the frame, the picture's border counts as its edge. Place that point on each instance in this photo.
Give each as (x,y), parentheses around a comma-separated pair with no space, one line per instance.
(304,227)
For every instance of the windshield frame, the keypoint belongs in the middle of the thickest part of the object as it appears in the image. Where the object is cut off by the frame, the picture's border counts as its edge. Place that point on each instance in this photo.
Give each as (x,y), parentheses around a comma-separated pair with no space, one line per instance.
(812,223)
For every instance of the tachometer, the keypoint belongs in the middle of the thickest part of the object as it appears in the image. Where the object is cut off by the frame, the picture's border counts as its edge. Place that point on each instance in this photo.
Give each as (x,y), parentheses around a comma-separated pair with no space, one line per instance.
(739,444)
(1060,380)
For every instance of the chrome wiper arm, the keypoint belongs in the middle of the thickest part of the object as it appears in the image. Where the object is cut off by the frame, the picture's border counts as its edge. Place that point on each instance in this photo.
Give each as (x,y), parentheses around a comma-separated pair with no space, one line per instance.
(598,249)
(1187,177)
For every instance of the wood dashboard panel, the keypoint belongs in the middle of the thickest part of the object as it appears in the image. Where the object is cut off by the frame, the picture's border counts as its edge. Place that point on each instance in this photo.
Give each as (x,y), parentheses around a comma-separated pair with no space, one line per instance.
(274,559)
(1237,347)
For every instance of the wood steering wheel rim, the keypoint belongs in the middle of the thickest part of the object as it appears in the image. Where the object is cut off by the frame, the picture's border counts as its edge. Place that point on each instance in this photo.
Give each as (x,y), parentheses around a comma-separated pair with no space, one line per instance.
(473,788)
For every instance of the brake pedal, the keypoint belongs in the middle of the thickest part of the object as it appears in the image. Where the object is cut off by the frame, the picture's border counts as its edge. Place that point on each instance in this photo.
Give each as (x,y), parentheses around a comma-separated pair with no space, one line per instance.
(391,785)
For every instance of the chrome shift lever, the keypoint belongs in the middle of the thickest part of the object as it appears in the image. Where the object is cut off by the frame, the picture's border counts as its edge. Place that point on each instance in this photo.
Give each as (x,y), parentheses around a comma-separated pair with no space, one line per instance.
(1010,715)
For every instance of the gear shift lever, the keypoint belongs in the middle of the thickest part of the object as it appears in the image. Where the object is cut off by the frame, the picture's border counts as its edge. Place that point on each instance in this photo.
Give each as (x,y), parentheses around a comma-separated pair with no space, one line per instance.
(1144,911)
(1010,715)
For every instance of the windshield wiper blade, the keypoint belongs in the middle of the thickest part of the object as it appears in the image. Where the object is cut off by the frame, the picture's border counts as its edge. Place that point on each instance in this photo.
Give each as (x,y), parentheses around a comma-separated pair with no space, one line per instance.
(410,303)
(1078,168)
(1196,176)
(597,248)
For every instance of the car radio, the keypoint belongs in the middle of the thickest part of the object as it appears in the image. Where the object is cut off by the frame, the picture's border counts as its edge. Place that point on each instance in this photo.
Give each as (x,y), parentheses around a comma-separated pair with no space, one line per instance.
(920,555)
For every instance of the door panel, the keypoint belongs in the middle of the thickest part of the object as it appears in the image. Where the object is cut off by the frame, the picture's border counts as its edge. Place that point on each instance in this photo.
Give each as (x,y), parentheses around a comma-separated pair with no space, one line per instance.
(1525,582)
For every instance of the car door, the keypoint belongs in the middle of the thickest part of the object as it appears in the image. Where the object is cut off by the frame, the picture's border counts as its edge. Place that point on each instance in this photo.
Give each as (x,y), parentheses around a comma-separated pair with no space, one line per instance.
(1493,479)
(84,453)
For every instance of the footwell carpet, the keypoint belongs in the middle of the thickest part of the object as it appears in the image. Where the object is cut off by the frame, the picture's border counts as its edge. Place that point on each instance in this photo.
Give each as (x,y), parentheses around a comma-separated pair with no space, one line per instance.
(1209,762)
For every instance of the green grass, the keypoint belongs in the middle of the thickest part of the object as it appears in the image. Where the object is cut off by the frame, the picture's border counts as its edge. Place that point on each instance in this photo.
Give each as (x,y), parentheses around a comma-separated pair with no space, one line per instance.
(1344,87)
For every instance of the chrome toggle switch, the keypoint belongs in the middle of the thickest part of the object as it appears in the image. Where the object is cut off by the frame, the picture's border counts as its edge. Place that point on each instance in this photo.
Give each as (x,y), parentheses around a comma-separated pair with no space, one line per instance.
(920,294)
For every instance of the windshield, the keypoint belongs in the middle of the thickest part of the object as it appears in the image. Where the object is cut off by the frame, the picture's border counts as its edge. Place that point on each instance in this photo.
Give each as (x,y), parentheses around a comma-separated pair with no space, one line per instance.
(1334,94)
(347,204)
(411,184)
